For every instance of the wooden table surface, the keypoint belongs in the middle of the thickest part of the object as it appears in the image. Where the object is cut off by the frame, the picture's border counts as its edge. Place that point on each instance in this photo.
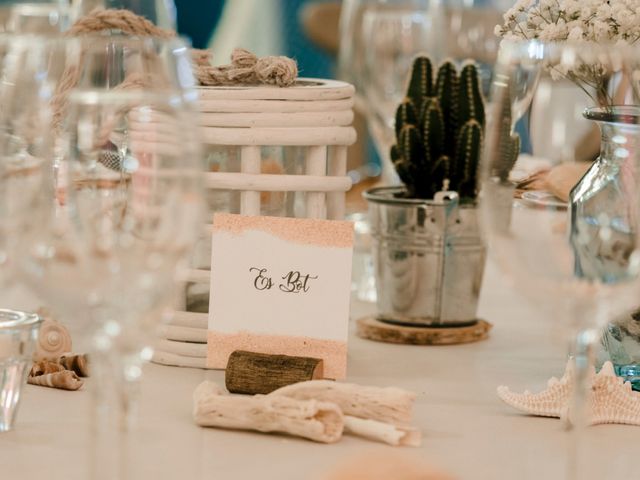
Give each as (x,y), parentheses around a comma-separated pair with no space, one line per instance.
(467,430)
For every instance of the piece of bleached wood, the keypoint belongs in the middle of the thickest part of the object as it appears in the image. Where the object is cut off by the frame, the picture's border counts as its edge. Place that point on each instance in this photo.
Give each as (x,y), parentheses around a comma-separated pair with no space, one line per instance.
(276,183)
(273,106)
(174,360)
(312,419)
(190,319)
(337,167)
(308,89)
(384,404)
(316,164)
(272,119)
(382,432)
(183,334)
(252,372)
(250,163)
(187,349)
(282,136)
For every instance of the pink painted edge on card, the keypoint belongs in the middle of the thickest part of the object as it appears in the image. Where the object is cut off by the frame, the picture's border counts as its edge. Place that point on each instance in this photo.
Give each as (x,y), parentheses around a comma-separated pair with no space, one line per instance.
(305,231)
(332,352)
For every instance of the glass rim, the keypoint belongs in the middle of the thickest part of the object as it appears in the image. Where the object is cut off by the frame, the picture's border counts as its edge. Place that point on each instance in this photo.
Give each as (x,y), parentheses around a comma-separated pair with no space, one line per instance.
(110,37)
(11,319)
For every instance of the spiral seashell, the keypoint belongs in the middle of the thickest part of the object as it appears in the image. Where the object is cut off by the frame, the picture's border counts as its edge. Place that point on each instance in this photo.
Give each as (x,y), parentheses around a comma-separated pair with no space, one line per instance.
(66,380)
(53,340)
(76,363)
(44,367)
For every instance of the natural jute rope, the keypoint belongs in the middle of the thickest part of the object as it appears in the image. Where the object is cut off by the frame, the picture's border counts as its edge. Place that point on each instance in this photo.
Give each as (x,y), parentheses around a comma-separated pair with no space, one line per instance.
(245,67)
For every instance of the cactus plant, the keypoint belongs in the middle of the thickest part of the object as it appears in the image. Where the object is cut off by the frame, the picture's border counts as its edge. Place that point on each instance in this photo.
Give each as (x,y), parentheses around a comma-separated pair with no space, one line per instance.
(509,143)
(439,131)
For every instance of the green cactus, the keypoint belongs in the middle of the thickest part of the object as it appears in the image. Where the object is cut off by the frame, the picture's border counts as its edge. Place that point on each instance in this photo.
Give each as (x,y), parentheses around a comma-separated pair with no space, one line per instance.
(470,102)
(447,94)
(439,131)
(467,157)
(421,81)
(509,143)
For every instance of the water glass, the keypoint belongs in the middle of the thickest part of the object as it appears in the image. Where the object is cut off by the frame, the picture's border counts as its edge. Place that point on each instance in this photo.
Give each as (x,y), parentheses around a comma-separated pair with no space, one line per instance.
(18,333)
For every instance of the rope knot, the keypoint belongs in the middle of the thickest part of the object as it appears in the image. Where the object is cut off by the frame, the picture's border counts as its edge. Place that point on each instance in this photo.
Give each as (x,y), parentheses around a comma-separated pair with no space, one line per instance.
(281,71)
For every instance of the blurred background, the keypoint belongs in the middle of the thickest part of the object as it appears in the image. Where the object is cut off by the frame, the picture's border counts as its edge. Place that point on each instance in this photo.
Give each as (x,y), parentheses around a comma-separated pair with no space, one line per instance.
(326,37)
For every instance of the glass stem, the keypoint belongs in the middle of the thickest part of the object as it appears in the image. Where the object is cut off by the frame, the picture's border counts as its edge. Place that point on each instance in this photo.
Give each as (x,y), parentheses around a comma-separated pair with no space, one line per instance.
(116,373)
(577,418)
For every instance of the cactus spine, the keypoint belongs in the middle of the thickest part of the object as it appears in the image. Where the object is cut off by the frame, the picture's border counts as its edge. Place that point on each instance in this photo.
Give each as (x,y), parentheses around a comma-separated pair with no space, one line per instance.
(439,131)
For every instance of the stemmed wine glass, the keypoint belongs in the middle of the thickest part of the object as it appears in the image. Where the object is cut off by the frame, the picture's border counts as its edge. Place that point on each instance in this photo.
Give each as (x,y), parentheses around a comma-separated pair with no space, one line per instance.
(28,80)
(578,262)
(393,33)
(126,212)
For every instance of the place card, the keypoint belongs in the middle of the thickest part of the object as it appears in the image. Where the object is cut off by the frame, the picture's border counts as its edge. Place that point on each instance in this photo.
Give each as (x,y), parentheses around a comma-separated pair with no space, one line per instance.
(280,286)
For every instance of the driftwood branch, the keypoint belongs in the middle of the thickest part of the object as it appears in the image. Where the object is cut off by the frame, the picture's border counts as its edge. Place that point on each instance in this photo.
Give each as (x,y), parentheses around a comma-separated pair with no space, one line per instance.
(384,404)
(316,420)
(382,432)
(251,373)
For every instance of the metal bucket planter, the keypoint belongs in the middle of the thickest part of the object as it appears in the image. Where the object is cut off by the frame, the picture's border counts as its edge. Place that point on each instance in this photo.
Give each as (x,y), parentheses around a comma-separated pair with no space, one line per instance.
(428,256)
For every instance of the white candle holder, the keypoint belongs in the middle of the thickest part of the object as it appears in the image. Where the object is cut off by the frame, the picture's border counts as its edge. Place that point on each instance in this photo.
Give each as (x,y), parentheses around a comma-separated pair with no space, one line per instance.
(273,151)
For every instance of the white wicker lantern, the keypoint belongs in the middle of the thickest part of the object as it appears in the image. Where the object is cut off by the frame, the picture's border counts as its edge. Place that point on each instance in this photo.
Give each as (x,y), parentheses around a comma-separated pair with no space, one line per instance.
(272,151)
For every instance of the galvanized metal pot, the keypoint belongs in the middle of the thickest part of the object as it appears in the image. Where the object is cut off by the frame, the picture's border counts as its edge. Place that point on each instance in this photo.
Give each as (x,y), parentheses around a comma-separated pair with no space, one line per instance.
(428,256)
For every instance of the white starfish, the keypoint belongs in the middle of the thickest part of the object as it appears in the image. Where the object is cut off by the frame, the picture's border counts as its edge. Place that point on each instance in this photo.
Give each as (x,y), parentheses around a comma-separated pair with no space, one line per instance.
(611,399)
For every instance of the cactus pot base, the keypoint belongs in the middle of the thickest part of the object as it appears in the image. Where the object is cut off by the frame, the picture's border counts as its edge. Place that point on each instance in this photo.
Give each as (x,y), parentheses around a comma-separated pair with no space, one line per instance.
(428,259)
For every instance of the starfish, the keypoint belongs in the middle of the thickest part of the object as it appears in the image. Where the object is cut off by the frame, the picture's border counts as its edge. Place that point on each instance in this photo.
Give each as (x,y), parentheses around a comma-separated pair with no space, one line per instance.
(611,399)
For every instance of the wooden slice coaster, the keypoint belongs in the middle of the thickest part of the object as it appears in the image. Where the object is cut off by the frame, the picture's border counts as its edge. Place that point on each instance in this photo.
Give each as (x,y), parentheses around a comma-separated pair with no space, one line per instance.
(373,329)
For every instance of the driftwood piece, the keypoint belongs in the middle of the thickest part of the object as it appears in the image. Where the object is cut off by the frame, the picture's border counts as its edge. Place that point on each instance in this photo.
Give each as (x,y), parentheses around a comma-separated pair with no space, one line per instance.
(251,373)
(66,380)
(312,419)
(384,404)
(78,363)
(382,432)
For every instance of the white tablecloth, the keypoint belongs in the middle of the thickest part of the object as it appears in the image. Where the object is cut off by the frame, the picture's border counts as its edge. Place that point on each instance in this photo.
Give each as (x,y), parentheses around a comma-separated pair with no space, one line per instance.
(467,430)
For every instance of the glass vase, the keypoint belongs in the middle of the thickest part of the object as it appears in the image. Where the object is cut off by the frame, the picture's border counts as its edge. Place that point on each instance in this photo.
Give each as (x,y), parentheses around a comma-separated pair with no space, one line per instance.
(603,228)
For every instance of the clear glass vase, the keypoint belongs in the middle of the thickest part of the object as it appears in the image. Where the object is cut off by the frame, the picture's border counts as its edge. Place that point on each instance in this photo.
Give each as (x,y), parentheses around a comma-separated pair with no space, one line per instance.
(603,229)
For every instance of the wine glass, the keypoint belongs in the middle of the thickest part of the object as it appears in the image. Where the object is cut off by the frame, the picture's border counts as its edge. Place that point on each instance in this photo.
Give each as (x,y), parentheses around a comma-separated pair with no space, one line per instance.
(160,12)
(576,259)
(39,17)
(394,33)
(27,83)
(127,210)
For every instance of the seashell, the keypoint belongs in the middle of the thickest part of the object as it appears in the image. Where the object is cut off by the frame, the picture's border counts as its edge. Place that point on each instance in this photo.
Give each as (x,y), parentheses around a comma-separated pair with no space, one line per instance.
(66,380)
(53,340)
(611,399)
(45,366)
(77,363)
(548,403)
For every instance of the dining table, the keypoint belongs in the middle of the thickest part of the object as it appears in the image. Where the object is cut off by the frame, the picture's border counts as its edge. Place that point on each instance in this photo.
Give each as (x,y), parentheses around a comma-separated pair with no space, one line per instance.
(467,431)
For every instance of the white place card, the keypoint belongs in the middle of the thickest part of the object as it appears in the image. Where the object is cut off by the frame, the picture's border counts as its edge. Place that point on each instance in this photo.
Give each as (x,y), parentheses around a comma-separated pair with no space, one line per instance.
(280,286)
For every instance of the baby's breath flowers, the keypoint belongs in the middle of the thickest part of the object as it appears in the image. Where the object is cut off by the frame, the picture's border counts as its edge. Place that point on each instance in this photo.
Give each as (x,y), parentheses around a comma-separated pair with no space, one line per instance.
(608,22)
